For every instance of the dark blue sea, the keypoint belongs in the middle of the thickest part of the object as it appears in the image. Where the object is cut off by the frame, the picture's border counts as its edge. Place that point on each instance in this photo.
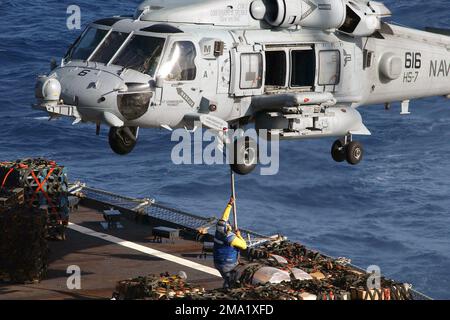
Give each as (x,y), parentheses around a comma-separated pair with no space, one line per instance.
(393,210)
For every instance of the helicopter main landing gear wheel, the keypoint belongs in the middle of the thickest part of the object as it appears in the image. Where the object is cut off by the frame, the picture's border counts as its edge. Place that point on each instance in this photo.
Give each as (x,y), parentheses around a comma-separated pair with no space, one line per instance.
(245,156)
(338,151)
(352,151)
(355,152)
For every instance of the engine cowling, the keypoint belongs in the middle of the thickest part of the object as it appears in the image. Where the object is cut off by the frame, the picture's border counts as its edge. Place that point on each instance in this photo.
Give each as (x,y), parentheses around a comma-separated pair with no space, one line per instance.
(353,17)
(363,17)
(318,14)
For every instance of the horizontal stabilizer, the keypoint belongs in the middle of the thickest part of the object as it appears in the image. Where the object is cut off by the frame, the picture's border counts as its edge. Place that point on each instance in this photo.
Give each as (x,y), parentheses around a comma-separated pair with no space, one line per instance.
(443,31)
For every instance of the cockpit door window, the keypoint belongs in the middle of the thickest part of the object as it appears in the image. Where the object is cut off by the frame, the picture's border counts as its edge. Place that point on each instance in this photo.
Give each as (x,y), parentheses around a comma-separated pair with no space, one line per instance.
(247,70)
(141,53)
(180,66)
(109,47)
(86,45)
(251,71)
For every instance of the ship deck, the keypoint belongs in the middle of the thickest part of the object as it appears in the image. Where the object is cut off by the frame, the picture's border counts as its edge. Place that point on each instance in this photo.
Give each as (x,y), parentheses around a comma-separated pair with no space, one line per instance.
(103,263)
(108,256)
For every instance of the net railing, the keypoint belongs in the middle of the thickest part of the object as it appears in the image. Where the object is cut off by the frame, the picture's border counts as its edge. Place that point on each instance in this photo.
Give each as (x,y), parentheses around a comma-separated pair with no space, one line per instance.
(158,211)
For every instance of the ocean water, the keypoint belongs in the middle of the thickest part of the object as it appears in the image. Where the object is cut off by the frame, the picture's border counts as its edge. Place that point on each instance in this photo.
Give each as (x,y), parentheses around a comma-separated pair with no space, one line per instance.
(393,210)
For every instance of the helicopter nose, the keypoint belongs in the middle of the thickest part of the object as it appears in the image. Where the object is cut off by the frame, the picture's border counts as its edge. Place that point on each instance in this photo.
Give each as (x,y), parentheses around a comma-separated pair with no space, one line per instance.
(94,92)
(99,95)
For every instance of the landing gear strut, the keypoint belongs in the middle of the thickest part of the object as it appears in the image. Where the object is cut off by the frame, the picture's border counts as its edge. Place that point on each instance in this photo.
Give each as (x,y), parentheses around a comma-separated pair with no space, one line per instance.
(349,150)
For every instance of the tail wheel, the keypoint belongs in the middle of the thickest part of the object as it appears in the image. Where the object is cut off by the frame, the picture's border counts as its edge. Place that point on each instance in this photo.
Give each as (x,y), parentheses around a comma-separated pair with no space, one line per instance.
(355,152)
(338,151)
(245,156)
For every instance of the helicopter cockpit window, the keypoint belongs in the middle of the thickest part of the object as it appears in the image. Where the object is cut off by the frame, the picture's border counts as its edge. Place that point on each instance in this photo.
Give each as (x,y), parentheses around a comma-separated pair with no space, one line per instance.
(142,54)
(84,47)
(181,63)
(109,47)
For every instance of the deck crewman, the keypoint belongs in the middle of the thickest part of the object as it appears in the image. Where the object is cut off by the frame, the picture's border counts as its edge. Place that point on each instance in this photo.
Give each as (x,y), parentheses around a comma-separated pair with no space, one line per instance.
(227,245)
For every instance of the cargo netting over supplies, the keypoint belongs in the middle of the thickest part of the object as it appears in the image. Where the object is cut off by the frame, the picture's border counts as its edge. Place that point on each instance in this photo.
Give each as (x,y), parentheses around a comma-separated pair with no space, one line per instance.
(44,186)
(33,209)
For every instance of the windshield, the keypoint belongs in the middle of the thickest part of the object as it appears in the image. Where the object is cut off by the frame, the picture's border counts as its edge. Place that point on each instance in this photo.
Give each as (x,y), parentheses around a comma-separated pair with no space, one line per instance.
(109,47)
(142,54)
(84,47)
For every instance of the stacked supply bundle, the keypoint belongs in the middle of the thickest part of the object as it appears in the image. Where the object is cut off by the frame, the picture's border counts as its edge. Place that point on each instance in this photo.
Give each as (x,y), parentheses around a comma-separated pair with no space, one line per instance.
(153,287)
(166,287)
(23,245)
(325,277)
(45,187)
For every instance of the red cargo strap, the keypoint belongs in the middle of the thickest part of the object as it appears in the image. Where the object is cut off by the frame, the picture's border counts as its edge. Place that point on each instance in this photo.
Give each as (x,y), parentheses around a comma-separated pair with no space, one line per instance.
(40,188)
(6,177)
(41,185)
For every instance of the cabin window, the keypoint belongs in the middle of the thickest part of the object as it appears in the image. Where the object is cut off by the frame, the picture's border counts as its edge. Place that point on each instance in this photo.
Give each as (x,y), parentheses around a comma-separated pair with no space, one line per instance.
(329,67)
(109,47)
(276,66)
(251,71)
(142,54)
(84,47)
(303,68)
(181,63)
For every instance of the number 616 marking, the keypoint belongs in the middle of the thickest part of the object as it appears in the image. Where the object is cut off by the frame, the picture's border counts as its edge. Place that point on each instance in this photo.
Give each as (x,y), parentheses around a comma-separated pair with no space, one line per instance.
(413,60)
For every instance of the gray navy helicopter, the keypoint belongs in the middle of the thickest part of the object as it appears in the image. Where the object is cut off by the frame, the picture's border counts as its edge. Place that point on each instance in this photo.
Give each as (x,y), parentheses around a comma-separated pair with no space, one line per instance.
(297,68)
